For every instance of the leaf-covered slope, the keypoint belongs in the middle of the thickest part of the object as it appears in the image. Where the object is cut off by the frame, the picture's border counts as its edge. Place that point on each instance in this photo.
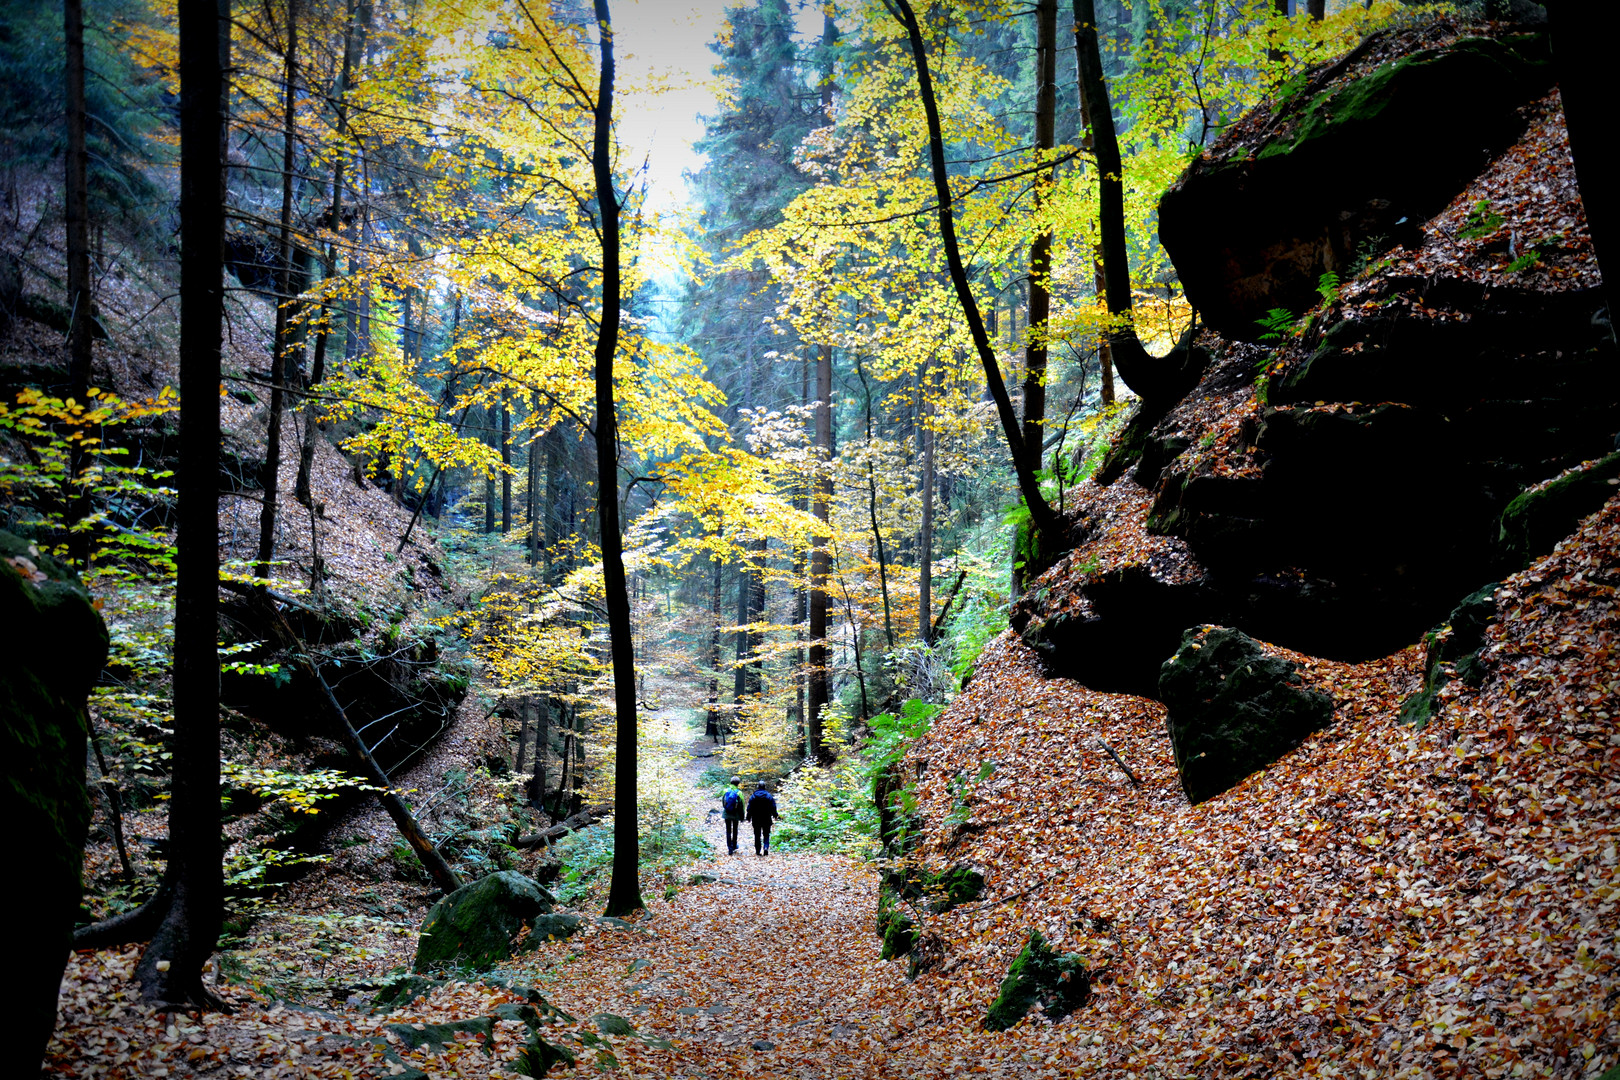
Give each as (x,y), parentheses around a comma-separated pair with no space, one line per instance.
(1384,898)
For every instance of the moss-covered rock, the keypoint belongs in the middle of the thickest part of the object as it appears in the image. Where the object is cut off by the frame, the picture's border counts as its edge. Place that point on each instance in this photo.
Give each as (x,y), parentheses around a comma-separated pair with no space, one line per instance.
(1534,522)
(1453,649)
(1059,982)
(1233,709)
(57,644)
(474,927)
(1327,174)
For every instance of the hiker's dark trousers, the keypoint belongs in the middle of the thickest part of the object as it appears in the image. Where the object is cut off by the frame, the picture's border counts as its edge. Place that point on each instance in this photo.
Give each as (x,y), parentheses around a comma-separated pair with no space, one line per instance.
(762,837)
(731,834)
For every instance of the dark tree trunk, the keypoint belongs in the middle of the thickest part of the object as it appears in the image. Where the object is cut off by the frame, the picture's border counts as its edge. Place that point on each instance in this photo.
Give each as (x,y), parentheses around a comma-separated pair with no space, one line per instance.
(750,603)
(925,542)
(489,480)
(553,490)
(1040,251)
(356,24)
(170,970)
(712,727)
(78,206)
(871,509)
(819,677)
(1142,373)
(280,344)
(624,891)
(1316,9)
(542,745)
(522,756)
(77,213)
(1025,458)
(506,462)
(534,484)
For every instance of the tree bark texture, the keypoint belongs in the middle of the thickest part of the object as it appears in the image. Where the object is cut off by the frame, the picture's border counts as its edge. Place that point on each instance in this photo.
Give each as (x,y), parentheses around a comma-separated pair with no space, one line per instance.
(1025,462)
(270,480)
(170,970)
(1040,251)
(624,891)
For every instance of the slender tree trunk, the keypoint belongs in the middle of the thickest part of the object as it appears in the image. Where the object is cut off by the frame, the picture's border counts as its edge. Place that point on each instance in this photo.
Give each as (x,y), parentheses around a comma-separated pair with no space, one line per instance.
(624,892)
(871,507)
(1141,372)
(925,543)
(78,206)
(1316,9)
(506,462)
(170,970)
(750,603)
(357,22)
(553,491)
(534,485)
(1025,459)
(522,739)
(542,745)
(78,262)
(713,727)
(271,476)
(820,675)
(1040,251)
(489,480)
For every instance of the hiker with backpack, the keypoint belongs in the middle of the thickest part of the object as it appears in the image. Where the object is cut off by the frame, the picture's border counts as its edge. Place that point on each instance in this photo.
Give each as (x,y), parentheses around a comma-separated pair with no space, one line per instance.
(761,812)
(732,803)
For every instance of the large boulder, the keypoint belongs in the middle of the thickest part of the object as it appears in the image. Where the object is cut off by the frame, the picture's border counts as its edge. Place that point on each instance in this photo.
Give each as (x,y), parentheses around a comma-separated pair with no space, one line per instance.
(1233,709)
(1534,522)
(1311,184)
(474,927)
(58,645)
(1059,982)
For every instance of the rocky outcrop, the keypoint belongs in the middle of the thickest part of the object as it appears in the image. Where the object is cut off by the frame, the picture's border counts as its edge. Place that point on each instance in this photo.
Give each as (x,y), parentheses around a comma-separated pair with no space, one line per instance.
(1331,170)
(56,645)
(475,926)
(1336,491)
(1233,709)
(1058,982)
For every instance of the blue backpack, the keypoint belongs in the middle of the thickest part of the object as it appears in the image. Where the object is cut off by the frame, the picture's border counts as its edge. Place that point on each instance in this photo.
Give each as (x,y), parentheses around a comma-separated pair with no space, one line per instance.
(732,801)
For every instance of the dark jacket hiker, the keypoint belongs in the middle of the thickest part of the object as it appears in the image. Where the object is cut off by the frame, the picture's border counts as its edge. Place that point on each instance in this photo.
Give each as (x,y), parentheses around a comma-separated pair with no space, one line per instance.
(761,812)
(732,803)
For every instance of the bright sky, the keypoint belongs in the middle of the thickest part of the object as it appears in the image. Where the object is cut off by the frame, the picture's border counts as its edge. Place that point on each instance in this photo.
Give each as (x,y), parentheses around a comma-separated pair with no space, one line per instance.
(664,44)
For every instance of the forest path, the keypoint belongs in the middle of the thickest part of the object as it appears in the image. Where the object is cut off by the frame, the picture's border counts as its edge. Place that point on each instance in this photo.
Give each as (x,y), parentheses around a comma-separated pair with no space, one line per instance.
(758,966)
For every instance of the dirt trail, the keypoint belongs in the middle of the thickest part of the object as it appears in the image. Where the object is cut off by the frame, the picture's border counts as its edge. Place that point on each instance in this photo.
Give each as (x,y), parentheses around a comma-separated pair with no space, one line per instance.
(758,966)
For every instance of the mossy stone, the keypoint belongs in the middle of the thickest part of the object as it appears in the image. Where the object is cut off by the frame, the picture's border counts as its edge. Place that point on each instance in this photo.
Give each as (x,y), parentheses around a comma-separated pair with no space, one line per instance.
(1059,982)
(473,927)
(1233,709)
(1533,523)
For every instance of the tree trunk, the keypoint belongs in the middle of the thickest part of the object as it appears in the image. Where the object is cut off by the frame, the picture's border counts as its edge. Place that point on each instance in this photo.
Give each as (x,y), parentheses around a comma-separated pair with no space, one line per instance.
(170,970)
(77,213)
(624,891)
(1040,251)
(1279,8)
(489,479)
(925,543)
(1141,372)
(357,22)
(506,462)
(1025,462)
(270,480)
(534,484)
(522,756)
(1316,9)
(750,603)
(820,680)
(713,727)
(542,745)
(871,508)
